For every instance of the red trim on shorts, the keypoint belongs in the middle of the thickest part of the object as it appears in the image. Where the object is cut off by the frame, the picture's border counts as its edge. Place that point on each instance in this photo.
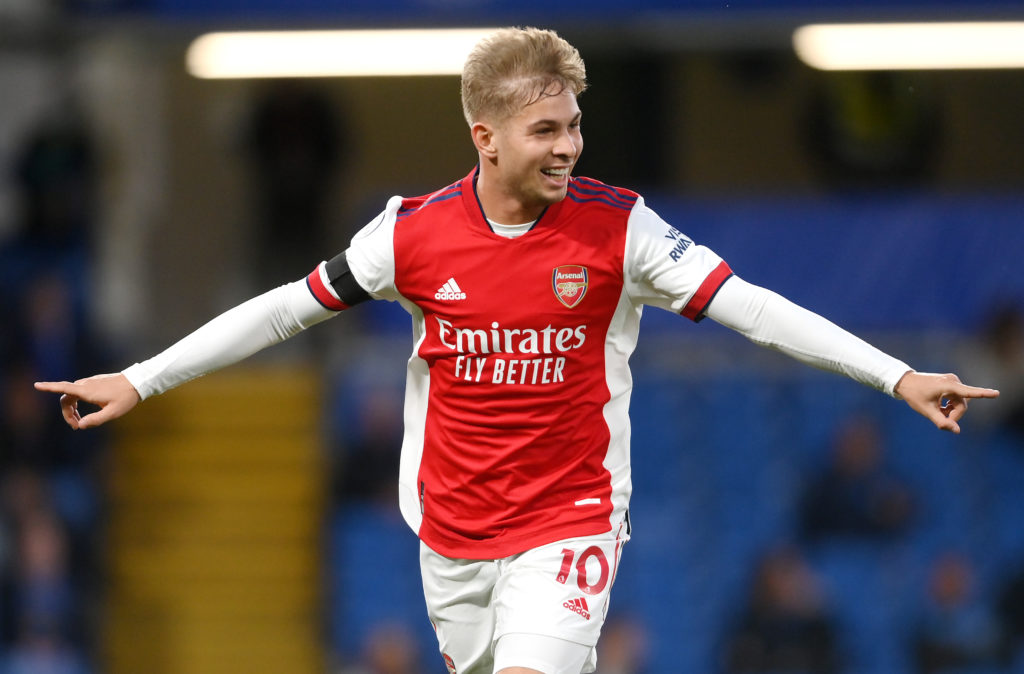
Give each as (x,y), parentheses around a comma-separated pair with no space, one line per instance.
(700,300)
(321,293)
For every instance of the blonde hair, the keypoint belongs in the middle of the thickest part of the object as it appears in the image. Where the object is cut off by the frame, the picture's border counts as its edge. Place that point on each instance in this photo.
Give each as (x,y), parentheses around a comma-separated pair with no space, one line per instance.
(514,67)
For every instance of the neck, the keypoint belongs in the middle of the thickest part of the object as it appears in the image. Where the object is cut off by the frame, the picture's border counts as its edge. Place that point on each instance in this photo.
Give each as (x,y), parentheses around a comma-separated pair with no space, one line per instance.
(499,204)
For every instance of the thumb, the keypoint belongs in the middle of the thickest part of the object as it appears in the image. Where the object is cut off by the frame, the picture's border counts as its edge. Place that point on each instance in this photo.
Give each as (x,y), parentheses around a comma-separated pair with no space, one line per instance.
(942,422)
(102,416)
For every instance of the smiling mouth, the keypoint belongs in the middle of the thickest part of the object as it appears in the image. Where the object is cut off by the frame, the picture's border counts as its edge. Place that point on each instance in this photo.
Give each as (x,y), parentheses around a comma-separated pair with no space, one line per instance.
(555,173)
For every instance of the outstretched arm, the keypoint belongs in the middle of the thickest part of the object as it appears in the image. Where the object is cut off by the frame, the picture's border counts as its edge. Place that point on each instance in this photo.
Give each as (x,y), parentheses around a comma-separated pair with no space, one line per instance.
(768,319)
(234,335)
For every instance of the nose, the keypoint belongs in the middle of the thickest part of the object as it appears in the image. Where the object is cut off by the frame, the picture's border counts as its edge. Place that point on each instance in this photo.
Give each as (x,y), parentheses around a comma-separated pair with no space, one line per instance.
(567,144)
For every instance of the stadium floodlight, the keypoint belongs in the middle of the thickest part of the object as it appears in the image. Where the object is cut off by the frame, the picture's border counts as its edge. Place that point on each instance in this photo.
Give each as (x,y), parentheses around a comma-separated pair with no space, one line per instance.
(911,46)
(331,53)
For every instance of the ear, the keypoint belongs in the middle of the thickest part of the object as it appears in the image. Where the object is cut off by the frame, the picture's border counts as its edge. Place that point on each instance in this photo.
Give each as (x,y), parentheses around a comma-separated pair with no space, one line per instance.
(483,138)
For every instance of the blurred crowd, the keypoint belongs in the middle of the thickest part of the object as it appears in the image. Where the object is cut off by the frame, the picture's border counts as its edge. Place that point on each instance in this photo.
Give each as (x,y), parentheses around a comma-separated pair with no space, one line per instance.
(51,500)
(791,623)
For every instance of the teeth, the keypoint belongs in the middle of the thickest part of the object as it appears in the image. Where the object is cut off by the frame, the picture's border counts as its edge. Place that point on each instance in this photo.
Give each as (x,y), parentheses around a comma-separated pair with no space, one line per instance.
(556,172)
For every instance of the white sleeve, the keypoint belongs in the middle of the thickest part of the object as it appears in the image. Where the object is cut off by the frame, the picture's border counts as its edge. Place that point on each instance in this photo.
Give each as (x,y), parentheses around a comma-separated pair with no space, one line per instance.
(236,334)
(371,254)
(666,269)
(769,319)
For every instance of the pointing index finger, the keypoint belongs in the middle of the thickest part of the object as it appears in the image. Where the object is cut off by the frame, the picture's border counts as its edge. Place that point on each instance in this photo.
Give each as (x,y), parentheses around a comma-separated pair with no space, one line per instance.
(975,391)
(54,386)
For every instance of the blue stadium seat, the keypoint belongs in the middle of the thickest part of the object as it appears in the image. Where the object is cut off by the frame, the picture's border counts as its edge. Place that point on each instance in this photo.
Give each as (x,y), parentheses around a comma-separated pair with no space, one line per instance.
(373,561)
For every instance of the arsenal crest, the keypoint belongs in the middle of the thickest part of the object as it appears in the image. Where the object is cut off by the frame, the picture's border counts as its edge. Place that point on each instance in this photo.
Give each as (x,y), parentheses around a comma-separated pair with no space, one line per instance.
(569,283)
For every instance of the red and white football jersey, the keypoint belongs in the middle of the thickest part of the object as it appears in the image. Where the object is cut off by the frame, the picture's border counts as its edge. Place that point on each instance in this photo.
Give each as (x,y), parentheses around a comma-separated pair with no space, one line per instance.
(517,393)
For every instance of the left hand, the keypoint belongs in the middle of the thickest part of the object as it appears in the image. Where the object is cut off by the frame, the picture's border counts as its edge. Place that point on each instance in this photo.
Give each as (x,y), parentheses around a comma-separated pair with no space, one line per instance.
(942,398)
(113,393)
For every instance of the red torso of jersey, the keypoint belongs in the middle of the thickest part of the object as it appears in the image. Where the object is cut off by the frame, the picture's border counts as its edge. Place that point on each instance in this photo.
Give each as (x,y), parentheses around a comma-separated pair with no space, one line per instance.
(514,337)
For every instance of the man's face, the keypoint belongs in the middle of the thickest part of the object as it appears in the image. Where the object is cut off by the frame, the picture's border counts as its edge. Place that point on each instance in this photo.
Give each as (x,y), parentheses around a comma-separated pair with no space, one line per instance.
(536,151)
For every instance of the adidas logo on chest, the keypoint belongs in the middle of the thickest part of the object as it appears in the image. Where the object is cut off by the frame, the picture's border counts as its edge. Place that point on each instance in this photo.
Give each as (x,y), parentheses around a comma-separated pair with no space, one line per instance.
(450,291)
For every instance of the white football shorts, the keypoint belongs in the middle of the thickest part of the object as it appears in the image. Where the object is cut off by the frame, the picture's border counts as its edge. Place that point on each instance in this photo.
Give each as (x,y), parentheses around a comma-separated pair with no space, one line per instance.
(558,590)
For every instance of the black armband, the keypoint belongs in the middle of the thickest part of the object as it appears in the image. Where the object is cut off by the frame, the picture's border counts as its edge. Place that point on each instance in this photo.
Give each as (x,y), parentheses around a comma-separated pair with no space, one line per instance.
(344,283)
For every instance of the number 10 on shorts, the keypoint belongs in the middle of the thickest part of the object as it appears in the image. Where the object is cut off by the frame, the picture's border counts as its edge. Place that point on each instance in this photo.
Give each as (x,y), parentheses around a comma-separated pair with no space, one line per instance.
(582,577)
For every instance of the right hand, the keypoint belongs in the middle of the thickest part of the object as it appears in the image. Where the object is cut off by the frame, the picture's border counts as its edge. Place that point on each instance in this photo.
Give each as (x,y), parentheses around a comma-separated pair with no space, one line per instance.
(113,393)
(942,398)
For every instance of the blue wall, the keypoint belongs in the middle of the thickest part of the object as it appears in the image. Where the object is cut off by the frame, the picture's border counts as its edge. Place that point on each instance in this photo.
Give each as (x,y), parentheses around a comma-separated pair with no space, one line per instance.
(910,262)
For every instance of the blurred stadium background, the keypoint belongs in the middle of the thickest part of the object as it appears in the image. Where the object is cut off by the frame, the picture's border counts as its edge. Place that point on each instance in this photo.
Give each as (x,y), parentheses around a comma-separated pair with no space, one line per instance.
(247,522)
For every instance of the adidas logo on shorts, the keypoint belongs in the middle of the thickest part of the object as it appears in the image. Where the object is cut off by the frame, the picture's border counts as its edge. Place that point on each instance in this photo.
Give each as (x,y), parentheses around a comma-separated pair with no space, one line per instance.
(450,291)
(578,605)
